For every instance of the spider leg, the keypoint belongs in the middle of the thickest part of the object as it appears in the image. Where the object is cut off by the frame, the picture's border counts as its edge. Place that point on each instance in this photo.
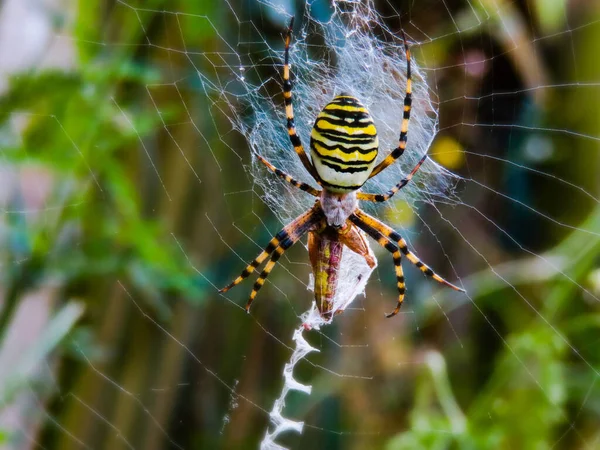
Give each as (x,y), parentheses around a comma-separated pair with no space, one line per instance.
(283,240)
(397,152)
(284,176)
(397,256)
(368,224)
(266,271)
(399,281)
(289,109)
(300,227)
(270,248)
(391,192)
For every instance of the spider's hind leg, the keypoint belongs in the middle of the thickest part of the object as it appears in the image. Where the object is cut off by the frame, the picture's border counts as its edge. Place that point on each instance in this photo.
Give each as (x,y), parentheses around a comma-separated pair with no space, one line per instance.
(289,109)
(392,191)
(287,178)
(398,151)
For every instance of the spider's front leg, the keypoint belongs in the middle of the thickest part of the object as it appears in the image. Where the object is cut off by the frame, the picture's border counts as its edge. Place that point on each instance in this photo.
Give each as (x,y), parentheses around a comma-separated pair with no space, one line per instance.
(276,247)
(397,256)
(383,235)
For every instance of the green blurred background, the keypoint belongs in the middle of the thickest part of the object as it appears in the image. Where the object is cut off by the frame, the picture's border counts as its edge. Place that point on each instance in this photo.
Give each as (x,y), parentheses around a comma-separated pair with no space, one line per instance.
(124,207)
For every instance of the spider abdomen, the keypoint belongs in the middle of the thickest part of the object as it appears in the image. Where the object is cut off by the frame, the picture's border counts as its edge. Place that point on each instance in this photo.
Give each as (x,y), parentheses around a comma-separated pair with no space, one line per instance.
(344,144)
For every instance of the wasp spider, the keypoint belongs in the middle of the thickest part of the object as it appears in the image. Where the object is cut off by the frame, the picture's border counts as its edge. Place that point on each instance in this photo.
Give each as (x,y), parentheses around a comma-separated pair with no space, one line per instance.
(344,147)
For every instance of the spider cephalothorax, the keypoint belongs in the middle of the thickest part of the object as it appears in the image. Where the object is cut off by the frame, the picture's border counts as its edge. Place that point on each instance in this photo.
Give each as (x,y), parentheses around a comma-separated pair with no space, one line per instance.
(344,147)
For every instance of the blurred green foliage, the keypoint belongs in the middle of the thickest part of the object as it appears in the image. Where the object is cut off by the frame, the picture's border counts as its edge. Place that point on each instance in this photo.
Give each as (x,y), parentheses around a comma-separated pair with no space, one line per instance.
(78,130)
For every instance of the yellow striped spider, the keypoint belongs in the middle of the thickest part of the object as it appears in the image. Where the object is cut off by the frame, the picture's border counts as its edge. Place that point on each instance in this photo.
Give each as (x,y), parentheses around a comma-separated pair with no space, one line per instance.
(344,147)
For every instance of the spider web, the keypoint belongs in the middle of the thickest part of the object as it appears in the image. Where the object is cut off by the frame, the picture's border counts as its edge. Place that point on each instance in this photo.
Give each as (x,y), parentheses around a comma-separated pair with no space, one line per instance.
(506,206)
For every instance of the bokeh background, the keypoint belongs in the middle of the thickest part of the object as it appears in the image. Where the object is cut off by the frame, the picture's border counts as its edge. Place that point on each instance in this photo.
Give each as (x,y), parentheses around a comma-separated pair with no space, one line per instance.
(122,209)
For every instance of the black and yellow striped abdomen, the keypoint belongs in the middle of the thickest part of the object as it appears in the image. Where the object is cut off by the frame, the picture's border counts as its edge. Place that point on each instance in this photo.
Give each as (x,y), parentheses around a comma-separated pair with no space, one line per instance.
(344,144)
